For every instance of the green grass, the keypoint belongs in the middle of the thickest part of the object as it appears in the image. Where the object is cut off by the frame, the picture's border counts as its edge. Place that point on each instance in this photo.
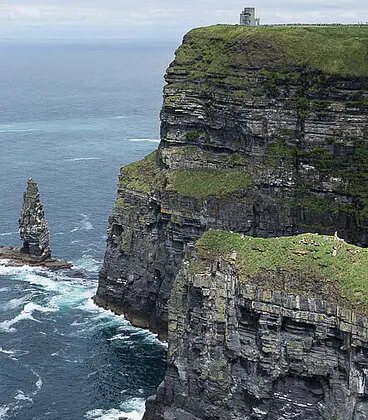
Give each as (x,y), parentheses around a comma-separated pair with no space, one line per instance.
(205,182)
(226,49)
(303,264)
(144,175)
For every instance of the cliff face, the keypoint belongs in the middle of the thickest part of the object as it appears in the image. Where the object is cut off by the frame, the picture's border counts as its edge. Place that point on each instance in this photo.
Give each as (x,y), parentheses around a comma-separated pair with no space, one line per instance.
(263,338)
(264,132)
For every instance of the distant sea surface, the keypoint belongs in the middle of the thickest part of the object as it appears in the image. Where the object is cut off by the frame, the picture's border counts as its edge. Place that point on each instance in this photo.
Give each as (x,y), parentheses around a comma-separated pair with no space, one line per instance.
(70,117)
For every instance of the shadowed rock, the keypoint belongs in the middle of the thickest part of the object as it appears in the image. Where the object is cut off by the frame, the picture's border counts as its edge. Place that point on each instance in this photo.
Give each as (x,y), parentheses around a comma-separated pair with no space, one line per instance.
(33,226)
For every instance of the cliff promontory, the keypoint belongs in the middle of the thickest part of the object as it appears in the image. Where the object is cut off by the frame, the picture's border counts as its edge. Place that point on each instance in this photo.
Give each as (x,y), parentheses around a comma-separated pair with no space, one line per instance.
(264,132)
(267,329)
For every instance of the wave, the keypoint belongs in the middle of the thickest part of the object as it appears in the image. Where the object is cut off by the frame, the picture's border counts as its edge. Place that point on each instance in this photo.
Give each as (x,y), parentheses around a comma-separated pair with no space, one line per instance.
(119,117)
(19,270)
(18,130)
(88,263)
(83,224)
(9,352)
(144,140)
(3,410)
(69,289)
(12,304)
(132,409)
(26,314)
(21,396)
(81,159)
(8,233)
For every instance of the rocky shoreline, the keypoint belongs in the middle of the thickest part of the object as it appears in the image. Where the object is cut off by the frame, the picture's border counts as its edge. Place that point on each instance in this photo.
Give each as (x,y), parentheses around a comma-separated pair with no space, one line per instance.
(14,257)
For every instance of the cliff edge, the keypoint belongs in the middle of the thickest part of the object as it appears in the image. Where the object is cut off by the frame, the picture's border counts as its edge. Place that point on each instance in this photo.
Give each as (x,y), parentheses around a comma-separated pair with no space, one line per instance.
(263,132)
(267,329)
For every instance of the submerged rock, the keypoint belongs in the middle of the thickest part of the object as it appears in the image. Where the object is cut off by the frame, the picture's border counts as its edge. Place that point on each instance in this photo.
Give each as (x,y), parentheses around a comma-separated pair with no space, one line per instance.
(33,226)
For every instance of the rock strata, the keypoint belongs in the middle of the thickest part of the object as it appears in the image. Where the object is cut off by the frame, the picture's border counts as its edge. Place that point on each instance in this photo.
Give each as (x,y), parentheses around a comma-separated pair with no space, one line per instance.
(33,226)
(34,232)
(274,344)
(264,132)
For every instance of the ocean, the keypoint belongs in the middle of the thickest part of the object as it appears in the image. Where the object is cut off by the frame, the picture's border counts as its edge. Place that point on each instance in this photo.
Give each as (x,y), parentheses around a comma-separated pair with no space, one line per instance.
(70,116)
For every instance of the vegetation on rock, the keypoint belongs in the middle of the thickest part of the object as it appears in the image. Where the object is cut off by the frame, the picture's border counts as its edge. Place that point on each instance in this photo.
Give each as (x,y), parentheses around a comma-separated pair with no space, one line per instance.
(308,264)
(204,182)
(223,49)
(144,175)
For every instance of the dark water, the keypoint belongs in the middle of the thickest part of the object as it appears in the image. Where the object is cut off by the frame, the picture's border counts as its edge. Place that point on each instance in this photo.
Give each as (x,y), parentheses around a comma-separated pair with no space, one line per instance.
(70,116)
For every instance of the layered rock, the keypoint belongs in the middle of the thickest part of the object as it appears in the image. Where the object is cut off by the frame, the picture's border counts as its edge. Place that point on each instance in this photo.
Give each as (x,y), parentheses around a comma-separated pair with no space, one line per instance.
(33,226)
(254,335)
(34,232)
(264,131)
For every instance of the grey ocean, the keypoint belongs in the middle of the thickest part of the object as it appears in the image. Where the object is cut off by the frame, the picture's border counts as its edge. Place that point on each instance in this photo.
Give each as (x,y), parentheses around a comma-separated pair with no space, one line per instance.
(70,116)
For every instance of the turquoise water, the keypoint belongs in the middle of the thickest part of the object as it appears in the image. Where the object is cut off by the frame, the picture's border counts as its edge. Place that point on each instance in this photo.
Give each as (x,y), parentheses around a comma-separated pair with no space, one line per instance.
(71,115)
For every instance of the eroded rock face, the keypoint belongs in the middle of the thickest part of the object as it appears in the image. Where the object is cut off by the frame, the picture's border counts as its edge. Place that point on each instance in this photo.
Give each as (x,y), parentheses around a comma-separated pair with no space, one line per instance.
(298,132)
(33,226)
(243,352)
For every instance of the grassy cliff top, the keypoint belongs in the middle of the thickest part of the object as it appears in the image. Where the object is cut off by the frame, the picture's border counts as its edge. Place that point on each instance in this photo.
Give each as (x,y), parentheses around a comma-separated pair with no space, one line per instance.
(224,48)
(308,264)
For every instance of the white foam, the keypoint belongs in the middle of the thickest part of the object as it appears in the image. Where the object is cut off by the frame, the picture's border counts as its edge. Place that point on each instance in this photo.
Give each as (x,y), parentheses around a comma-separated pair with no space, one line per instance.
(24,269)
(18,130)
(12,353)
(119,117)
(83,224)
(21,396)
(8,233)
(4,289)
(3,410)
(144,140)
(12,304)
(132,409)
(8,352)
(88,263)
(100,414)
(82,158)
(38,383)
(122,337)
(26,314)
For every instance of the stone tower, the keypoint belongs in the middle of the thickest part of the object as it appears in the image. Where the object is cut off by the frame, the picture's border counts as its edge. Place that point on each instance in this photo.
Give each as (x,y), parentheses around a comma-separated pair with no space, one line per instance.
(248,17)
(33,226)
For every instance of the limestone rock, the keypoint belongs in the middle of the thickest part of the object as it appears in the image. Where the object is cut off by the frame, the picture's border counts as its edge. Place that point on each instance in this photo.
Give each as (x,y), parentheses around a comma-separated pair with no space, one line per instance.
(33,226)
(241,351)
(253,140)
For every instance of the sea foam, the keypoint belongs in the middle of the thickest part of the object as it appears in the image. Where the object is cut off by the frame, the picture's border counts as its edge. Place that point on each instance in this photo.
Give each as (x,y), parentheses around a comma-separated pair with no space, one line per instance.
(133,409)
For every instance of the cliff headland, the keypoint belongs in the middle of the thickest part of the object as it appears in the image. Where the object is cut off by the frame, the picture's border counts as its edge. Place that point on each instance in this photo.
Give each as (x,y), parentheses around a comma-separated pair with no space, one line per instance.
(263,132)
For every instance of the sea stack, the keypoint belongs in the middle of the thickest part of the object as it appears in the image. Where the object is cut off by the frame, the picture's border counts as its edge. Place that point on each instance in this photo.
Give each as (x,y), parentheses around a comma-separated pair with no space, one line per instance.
(33,226)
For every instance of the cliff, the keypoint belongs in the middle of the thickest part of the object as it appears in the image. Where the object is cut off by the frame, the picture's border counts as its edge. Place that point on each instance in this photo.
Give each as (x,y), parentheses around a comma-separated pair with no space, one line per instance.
(264,132)
(267,329)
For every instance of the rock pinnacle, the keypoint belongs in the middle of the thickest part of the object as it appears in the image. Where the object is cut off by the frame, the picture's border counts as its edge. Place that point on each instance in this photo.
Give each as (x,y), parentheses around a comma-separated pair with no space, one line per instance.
(33,226)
